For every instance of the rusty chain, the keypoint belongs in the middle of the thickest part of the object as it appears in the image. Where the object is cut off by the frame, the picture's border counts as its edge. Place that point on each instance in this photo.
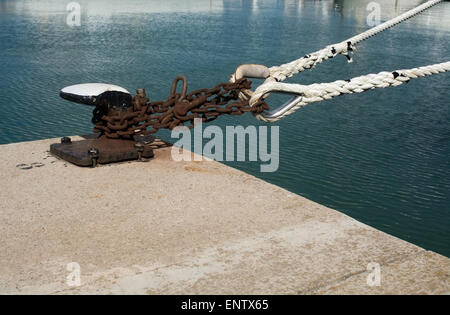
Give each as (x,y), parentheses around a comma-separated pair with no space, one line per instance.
(179,109)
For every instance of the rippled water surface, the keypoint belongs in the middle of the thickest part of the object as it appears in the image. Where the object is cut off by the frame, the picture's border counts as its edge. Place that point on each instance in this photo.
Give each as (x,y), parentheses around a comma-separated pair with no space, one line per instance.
(382,157)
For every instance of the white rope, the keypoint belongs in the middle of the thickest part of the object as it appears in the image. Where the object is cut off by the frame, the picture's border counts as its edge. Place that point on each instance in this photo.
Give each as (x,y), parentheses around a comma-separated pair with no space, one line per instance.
(280,73)
(324,91)
(321,91)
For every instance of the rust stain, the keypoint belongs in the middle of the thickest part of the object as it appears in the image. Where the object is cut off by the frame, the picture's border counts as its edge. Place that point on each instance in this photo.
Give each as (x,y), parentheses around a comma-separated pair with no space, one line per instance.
(194,169)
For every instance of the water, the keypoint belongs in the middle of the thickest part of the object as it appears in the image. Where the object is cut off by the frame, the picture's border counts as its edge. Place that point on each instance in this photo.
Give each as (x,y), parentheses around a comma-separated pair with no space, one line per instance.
(381,157)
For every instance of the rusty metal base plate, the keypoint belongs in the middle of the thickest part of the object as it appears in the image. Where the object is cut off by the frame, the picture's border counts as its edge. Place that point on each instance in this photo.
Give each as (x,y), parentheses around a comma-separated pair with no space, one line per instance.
(109,151)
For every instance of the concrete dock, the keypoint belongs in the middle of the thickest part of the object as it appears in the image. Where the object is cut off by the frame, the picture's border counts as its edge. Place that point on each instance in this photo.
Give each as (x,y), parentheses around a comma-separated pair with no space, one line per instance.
(166,227)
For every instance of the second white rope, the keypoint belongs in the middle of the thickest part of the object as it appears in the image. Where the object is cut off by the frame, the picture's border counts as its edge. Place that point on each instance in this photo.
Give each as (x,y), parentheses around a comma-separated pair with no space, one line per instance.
(324,91)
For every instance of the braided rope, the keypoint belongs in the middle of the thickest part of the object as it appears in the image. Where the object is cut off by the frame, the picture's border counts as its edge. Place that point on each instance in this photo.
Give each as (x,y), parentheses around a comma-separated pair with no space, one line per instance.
(324,91)
(280,73)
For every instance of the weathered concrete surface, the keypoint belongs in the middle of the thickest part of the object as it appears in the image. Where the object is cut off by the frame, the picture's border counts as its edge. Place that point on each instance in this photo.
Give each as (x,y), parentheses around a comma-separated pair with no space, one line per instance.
(179,227)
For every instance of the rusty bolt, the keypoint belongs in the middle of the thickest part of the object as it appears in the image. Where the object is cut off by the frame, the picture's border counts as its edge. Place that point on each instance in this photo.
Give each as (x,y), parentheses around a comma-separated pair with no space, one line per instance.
(93,153)
(140,149)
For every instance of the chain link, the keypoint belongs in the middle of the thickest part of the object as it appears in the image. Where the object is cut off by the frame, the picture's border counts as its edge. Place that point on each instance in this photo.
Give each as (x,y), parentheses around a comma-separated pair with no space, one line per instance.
(146,117)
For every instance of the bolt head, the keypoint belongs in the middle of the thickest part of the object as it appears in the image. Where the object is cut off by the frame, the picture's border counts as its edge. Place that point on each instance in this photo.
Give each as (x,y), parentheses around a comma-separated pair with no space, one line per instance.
(139,147)
(93,152)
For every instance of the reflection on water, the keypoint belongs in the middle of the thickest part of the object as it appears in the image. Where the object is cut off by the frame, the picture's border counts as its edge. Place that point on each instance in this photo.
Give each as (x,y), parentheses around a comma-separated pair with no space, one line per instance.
(356,9)
(389,9)
(381,156)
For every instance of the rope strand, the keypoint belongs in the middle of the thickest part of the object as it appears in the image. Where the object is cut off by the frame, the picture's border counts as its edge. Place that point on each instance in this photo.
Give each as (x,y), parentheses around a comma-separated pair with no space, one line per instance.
(324,91)
(280,73)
